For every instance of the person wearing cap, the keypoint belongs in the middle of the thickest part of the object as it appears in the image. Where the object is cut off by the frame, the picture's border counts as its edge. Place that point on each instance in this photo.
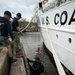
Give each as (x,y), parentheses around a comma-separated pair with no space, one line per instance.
(16,29)
(5,32)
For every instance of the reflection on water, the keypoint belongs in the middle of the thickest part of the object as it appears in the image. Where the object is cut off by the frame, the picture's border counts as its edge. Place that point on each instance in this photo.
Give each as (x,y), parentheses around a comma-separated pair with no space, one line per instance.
(31,42)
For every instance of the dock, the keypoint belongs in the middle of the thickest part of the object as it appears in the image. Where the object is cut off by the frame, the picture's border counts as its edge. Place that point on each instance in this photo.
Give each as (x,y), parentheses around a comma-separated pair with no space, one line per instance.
(30,44)
(3,61)
(18,67)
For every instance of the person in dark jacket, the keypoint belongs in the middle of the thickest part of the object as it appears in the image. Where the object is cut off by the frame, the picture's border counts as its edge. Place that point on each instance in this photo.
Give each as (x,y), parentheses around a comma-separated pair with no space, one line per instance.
(5,32)
(16,29)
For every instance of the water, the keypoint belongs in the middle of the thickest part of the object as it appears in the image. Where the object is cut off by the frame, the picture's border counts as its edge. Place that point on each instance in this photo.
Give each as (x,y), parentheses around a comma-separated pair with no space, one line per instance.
(31,42)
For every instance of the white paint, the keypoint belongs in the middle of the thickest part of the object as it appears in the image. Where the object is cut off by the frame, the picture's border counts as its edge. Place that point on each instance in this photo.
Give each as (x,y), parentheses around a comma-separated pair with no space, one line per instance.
(60,46)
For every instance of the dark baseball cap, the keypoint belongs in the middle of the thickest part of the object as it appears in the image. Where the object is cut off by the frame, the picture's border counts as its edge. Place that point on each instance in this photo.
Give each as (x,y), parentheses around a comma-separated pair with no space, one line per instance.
(8,13)
(19,15)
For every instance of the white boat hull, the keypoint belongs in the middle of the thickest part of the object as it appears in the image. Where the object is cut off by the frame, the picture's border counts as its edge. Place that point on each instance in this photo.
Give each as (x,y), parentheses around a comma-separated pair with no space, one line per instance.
(62,36)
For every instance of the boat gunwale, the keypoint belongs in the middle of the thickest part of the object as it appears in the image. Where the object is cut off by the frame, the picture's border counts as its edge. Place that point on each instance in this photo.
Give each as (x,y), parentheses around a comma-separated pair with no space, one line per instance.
(61,29)
(57,7)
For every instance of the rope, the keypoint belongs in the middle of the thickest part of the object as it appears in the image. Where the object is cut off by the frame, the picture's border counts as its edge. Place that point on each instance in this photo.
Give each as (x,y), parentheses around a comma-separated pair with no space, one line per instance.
(27,25)
(58,64)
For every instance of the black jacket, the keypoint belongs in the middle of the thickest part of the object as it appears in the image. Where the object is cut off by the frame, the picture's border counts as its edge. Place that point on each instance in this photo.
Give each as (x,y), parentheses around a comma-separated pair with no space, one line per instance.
(15,24)
(5,27)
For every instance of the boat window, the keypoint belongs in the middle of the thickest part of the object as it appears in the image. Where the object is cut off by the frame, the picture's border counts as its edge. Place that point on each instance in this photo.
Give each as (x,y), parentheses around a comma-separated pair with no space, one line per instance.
(44,1)
(57,35)
(59,2)
(70,40)
(63,1)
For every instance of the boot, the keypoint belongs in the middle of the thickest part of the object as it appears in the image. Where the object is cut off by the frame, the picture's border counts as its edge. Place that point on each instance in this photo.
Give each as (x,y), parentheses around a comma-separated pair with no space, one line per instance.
(11,60)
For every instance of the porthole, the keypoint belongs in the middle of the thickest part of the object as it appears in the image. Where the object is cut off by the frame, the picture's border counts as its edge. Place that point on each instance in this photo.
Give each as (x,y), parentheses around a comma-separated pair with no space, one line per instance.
(70,40)
(56,35)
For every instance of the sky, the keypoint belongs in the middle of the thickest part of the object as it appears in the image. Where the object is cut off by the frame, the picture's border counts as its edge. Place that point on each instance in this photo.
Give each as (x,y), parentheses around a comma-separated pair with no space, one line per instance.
(26,7)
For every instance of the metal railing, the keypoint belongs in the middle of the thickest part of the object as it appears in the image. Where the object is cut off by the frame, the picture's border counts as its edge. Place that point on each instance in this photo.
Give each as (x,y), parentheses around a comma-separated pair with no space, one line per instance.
(55,3)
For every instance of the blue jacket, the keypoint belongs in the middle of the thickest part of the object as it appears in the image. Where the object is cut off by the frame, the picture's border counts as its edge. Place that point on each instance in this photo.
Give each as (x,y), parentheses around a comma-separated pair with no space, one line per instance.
(5,28)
